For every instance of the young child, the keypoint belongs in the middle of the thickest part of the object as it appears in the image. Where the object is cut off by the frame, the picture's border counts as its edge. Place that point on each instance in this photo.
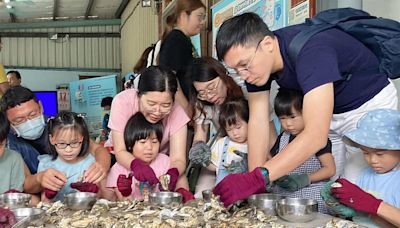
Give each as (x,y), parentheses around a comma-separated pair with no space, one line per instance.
(69,144)
(143,139)
(377,192)
(229,154)
(307,180)
(11,162)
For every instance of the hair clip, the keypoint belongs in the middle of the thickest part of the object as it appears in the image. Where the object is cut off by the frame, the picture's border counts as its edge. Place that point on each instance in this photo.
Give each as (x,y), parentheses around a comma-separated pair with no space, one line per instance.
(81,115)
(50,119)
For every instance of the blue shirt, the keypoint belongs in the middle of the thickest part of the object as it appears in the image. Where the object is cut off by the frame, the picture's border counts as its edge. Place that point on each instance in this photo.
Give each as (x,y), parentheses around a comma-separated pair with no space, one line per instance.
(73,171)
(323,59)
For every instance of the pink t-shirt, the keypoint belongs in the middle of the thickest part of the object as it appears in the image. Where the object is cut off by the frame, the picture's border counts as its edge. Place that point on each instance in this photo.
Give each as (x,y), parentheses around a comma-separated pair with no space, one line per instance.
(126,103)
(160,166)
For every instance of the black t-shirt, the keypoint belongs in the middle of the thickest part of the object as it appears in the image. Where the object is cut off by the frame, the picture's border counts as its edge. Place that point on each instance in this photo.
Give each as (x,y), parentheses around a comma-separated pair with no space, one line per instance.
(326,149)
(177,52)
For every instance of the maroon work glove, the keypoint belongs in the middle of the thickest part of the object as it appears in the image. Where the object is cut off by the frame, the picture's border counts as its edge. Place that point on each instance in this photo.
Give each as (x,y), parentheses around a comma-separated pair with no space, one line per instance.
(13,191)
(50,194)
(7,218)
(353,196)
(143,172)
(239,186)
(85,187)
(186,195)
(124,184)
(174,175)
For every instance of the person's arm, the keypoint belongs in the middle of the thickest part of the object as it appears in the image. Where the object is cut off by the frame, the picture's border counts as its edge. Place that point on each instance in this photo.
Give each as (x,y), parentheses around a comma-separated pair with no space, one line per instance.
(50,178)
(327,170)
(258,129)
(212,167)
(123,157)
(317,114)
(98,170)
(200,133)
(183,101)
(389,213)
(177,148)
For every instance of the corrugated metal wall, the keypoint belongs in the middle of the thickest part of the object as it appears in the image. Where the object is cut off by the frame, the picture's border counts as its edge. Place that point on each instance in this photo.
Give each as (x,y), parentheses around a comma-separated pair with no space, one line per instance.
(139,29)
(85,53)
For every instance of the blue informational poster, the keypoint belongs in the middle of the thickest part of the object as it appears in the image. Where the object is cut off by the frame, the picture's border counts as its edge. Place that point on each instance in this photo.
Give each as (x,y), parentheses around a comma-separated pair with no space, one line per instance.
(274,13)
(196,43)
(86,96)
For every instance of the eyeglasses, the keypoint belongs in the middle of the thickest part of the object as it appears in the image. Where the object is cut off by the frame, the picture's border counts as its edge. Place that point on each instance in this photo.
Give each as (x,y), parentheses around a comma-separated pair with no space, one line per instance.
(203,94)
(201,17)
(245,71)
(64,145)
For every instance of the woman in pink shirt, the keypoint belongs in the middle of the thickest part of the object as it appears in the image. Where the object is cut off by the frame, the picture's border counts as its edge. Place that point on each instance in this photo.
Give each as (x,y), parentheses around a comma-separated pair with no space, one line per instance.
(155,100)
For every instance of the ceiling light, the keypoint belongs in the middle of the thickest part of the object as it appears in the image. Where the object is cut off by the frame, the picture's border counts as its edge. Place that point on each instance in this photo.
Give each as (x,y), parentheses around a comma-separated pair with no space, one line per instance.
(6,1)
(9,6)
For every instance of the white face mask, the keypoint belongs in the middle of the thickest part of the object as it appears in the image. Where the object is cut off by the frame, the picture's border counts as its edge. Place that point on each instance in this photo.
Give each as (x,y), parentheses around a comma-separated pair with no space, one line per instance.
(31,129)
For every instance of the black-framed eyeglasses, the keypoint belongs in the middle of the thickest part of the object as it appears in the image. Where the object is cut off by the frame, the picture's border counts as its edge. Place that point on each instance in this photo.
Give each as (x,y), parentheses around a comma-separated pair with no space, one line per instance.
(203,95)
(245,71)
(64,145)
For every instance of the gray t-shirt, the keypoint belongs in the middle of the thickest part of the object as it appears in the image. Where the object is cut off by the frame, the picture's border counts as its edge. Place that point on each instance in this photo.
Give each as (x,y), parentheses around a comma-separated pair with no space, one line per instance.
(12,171)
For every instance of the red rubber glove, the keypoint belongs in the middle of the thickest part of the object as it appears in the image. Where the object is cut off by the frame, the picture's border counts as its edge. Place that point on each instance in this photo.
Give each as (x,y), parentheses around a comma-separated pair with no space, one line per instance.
(12,191)
(7,218)
(124,184)
(143,172)
(353,196)
(50,194)
(85,187)
(186,195)
(239,186)
(174,175)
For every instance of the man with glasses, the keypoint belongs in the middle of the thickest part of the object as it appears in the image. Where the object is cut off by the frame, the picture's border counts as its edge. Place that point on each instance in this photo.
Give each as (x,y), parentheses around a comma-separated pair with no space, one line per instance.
(332,103)
(29,137)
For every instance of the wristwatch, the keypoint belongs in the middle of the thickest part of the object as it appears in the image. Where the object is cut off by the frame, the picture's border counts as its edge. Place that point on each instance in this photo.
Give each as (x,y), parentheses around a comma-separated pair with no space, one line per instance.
(265,173)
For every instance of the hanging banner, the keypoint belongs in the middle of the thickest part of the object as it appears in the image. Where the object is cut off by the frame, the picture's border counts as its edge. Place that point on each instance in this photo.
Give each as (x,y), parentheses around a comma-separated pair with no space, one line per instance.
(299,12)
(86,96)
(273,12)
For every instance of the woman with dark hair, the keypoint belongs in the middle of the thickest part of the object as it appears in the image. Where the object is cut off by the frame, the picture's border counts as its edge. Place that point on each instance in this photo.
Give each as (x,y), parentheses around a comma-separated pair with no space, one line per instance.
(212,87)
(177,51)
(155,100)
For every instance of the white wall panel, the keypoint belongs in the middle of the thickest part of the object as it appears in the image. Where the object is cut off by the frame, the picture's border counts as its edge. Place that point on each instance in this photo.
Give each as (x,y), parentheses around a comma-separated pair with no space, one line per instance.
(139,31)
(87,53)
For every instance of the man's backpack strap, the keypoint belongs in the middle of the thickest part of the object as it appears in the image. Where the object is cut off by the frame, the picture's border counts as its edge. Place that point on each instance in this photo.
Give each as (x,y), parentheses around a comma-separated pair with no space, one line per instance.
(301,39)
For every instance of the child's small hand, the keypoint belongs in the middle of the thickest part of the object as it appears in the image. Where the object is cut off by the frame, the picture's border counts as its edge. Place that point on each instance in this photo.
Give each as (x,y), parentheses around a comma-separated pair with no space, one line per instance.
(124,184)
(85,187)
(143,172)
(353,196)
(200,154)
(293,182)
(52,179)
(50,194)
(95,173)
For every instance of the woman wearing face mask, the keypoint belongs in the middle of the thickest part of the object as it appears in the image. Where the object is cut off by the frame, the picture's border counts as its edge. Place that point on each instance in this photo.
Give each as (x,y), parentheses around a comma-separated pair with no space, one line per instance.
(212,87)
(155,100)
(177,50)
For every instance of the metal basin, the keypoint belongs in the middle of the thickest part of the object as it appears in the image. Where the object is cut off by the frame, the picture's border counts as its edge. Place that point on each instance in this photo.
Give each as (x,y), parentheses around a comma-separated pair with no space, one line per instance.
(297,210)
(15,200)
(80,200)
(265,202)
(30,216)
(168,199)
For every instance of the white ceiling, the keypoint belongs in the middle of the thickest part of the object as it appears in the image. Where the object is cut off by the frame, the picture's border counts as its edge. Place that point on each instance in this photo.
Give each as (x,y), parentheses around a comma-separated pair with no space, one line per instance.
(43,10)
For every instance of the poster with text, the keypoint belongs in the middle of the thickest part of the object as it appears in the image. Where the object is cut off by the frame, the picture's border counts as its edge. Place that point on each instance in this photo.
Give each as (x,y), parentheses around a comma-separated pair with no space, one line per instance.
(86,96)
(273,12)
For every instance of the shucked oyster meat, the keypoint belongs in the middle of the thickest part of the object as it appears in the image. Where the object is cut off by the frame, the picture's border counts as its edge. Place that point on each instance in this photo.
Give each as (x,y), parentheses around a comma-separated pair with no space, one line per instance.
(164,181)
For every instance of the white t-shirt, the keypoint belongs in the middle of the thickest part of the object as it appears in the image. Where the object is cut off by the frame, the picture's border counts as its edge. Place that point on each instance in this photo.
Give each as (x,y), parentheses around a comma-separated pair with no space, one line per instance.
(217,149)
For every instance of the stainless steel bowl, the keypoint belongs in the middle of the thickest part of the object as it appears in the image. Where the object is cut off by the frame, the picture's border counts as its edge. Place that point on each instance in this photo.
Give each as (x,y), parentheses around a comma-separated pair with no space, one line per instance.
(15,200)
(265,202)
(28,216)
(168,199)
(297,210)
(80,200)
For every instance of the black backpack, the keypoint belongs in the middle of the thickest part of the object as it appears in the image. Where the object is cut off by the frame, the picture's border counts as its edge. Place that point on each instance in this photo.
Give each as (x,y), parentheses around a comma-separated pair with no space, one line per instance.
(380,35)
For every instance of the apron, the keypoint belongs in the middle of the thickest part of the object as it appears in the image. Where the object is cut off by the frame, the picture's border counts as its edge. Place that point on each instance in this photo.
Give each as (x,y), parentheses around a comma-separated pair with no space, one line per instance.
(222,172)
(311,165)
